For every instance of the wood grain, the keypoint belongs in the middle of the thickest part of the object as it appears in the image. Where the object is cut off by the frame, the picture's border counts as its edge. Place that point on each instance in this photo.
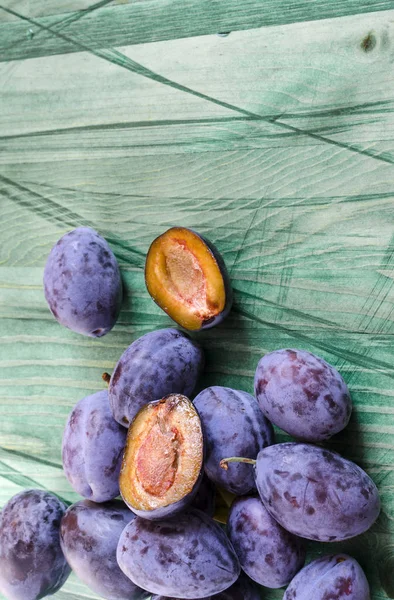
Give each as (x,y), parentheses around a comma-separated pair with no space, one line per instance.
(276,143)
(146,21)
(65,8)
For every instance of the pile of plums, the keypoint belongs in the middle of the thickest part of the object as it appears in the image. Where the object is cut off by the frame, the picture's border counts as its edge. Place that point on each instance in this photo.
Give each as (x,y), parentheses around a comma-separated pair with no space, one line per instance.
(170,458)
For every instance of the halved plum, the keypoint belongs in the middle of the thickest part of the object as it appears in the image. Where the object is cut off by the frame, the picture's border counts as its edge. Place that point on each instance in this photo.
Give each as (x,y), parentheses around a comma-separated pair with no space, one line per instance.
(187,278)
(163,459)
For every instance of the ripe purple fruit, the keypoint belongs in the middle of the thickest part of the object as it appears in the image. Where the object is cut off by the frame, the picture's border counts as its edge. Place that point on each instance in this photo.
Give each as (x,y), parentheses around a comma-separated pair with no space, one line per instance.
(302,394)
(269,554)
(89,537)
(82,283)
(32,564)
(315,493)
(157,364)
(233,425)
(92,449)
(188,556)
(337,577)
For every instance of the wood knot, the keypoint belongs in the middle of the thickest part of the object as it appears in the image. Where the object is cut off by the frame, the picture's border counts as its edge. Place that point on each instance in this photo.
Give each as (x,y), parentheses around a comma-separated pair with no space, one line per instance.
(368,43)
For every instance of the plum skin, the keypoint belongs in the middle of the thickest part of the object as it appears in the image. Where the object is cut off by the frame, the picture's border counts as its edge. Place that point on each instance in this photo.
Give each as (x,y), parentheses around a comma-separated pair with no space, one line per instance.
(82,283)
(315,493)
(269,554)
(32,564)
(155,365)
(233,426)
(227,285)
(242,589)
(92,449)
(188,556)
(302,394)
(337,577)
(89,537)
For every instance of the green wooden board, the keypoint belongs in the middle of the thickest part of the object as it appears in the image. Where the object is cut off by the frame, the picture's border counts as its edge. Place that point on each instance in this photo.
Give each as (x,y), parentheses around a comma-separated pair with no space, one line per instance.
(276,142)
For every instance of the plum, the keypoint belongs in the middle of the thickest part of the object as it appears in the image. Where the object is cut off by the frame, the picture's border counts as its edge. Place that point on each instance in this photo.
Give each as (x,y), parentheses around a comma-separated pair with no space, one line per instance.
(269,554)
(302,394)
(82,283)
(188,556)
(205,497)
(158,363)
(187,278)
(315,493)
(90,534)
(233,426)
(242,589)
(32,564)
(92,449)
(163,459)
(338,577)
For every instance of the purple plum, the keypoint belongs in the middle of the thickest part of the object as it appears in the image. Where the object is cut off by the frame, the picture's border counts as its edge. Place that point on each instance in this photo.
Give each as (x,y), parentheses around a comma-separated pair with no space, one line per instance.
(188,556)
(157,364)
(338,577)
(82,283)
(269,554)
(315,493)
(92,449)
(302,394)
(233,425)
(32,564)
(89,537)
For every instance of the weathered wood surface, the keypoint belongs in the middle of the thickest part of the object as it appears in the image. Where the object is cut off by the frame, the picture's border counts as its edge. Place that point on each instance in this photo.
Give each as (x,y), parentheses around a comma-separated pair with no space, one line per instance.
(41,32)
(276,142)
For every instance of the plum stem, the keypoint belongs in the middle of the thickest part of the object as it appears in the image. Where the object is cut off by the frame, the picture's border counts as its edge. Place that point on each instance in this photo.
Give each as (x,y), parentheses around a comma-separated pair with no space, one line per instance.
(241,459)
(106,377)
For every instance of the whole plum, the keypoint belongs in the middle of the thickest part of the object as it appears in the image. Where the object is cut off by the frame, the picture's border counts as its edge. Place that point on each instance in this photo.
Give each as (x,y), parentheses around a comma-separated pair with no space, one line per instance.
(187,557)
(315,493)
(242,589)
(233,426)
(269,554)
(32,564)
(157,364)
(302,394)
(82,283)
(89,537)
(338,577)
(92,449)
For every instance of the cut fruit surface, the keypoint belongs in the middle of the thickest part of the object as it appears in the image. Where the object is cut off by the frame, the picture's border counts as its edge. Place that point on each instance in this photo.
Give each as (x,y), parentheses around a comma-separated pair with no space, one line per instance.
(163,458)
(186,277)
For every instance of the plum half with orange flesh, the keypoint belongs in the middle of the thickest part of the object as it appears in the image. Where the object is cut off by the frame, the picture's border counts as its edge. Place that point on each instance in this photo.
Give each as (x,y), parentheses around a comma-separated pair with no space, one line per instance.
(163,459)
(187,278)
